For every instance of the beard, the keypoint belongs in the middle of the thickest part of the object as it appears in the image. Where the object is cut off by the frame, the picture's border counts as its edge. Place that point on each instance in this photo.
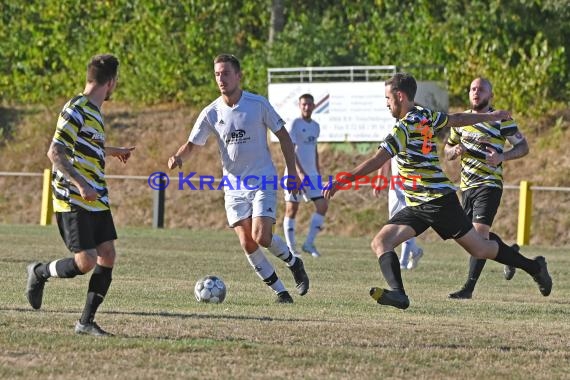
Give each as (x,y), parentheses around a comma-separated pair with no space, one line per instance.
(481,106)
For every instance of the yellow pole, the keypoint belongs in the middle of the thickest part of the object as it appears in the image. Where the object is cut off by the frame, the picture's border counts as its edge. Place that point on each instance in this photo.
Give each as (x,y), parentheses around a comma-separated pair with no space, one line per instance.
(525,211)
(47,206)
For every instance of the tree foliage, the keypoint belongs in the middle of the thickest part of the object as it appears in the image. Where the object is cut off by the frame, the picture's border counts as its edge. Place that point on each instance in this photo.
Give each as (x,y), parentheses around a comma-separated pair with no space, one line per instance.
(166,47)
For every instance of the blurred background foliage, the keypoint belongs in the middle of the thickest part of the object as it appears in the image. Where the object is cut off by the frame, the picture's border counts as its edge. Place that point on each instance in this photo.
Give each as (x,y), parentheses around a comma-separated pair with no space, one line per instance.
(166,47)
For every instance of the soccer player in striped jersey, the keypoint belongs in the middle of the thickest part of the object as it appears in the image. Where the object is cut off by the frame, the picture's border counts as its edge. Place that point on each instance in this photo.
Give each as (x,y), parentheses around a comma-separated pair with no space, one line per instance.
(481,148)
(240,120)
(411,252)
(80,195)
(430,196)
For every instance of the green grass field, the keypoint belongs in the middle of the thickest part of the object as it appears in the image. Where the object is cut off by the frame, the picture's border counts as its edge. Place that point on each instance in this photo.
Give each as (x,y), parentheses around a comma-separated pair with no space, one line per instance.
(508,330)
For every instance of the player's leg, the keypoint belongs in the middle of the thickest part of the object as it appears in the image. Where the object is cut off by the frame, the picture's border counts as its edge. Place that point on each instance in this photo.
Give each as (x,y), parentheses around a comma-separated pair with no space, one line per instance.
(263,220)
(497,250)
(476,266)
(239,209)
(410,252)
(105,235)
(390,236)
(481,205)
(289,221)
(76,231)
(415,253)
(256,258)
(403,226)
(316,224)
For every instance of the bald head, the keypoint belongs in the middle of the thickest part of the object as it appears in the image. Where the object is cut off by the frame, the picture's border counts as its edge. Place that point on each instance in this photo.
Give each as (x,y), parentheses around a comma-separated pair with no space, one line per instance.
(480,94)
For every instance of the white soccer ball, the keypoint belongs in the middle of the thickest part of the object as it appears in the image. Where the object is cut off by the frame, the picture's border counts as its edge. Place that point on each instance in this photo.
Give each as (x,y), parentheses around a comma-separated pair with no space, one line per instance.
(210,289)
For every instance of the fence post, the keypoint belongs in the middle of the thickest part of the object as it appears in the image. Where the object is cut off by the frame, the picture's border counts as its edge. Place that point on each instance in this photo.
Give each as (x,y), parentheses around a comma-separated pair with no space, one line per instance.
(525,211)
(47,205)
(158,204)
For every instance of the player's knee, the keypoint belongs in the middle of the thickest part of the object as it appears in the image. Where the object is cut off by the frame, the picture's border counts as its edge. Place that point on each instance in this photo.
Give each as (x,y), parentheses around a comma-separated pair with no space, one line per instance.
(377,246)
(85,263)
(264,240)
(322,208)
(291,210)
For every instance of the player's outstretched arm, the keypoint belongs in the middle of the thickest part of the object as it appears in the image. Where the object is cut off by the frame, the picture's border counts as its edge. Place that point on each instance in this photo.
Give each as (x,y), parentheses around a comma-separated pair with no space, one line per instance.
(372,164)
(122,153)
(462,119)
(182,154)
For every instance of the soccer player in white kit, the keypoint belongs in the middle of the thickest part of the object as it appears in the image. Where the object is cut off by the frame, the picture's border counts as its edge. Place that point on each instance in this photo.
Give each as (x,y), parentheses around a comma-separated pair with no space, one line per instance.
(411,252)
(239,120)
(304,132)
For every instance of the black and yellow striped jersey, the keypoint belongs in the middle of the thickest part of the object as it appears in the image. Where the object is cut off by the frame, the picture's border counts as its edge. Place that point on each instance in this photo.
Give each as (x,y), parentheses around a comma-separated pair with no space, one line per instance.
(475,171)
(411,142)
(81,131)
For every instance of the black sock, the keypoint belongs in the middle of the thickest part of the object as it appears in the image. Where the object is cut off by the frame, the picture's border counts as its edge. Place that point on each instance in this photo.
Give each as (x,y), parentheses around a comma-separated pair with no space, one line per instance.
(475,268)
(390,268)
(509,256)
(98,286)
(65,268)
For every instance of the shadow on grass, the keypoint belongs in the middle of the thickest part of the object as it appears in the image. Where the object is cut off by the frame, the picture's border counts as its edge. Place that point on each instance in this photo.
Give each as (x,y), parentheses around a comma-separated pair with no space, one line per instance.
(167,315)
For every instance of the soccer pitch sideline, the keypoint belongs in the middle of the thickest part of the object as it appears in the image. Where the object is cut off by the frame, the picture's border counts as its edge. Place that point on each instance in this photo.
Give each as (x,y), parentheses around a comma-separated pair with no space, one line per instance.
(508,330)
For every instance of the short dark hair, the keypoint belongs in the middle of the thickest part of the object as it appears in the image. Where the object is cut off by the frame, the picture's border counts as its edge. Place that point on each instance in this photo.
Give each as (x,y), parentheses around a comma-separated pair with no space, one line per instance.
(307,96)
(232,59)
(102,68)
(403,82)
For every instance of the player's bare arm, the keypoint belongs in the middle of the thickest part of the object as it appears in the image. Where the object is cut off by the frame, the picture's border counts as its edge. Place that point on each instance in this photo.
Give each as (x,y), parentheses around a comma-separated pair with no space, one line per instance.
(122,153)
(384,172)
(520,147)
(58,157)
(462,119)
(182,154)
(372,164)
(299,166)
(495,158)
(288,149)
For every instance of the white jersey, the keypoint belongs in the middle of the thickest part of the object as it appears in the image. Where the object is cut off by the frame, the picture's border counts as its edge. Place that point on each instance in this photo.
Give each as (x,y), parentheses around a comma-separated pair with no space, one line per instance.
(304,135)
(396,197)
(241,132)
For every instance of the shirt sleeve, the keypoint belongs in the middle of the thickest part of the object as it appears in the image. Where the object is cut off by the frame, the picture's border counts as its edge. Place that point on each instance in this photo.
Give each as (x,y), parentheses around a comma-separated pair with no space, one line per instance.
(454,136)
(439,120)
(69,124)
(271,118)
(292,131)
(396,140)
(201,130)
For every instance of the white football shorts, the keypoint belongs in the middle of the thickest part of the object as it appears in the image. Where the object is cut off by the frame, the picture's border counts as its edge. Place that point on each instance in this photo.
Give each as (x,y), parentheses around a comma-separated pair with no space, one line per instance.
(396,201)
(242,204)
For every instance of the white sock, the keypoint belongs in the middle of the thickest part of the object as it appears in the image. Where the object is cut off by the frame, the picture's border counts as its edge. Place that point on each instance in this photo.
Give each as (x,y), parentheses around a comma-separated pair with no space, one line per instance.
(280,249)
(315,227)
(289,232)
(406,252)
(265,270)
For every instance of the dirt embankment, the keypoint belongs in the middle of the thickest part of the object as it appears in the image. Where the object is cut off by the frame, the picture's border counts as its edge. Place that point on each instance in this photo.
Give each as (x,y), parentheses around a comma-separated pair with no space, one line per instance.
(158,131)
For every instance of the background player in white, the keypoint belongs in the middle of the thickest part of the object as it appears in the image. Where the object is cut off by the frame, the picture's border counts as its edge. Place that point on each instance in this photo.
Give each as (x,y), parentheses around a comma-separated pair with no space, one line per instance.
(304,132)
(411,252)
(239,120)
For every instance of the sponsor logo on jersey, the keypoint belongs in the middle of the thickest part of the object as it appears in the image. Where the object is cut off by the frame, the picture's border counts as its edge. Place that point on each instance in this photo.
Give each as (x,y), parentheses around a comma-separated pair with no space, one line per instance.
(239,136)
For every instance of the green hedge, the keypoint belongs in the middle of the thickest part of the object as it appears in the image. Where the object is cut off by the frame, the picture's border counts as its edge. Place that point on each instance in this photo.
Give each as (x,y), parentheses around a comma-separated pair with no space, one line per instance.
(166,47)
